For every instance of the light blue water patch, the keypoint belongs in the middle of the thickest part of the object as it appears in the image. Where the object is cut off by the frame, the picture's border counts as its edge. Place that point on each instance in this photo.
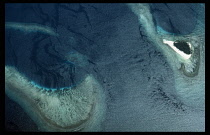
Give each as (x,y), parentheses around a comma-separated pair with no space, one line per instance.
(30,28)
(34,84)
(162,31)
(50,89)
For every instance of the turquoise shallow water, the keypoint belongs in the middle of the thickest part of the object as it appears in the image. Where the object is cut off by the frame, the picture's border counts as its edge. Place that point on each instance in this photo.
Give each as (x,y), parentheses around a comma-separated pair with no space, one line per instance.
(102,40)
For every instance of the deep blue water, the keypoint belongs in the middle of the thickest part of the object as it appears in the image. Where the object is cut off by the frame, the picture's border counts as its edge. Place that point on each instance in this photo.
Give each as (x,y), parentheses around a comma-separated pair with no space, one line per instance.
(89,29)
